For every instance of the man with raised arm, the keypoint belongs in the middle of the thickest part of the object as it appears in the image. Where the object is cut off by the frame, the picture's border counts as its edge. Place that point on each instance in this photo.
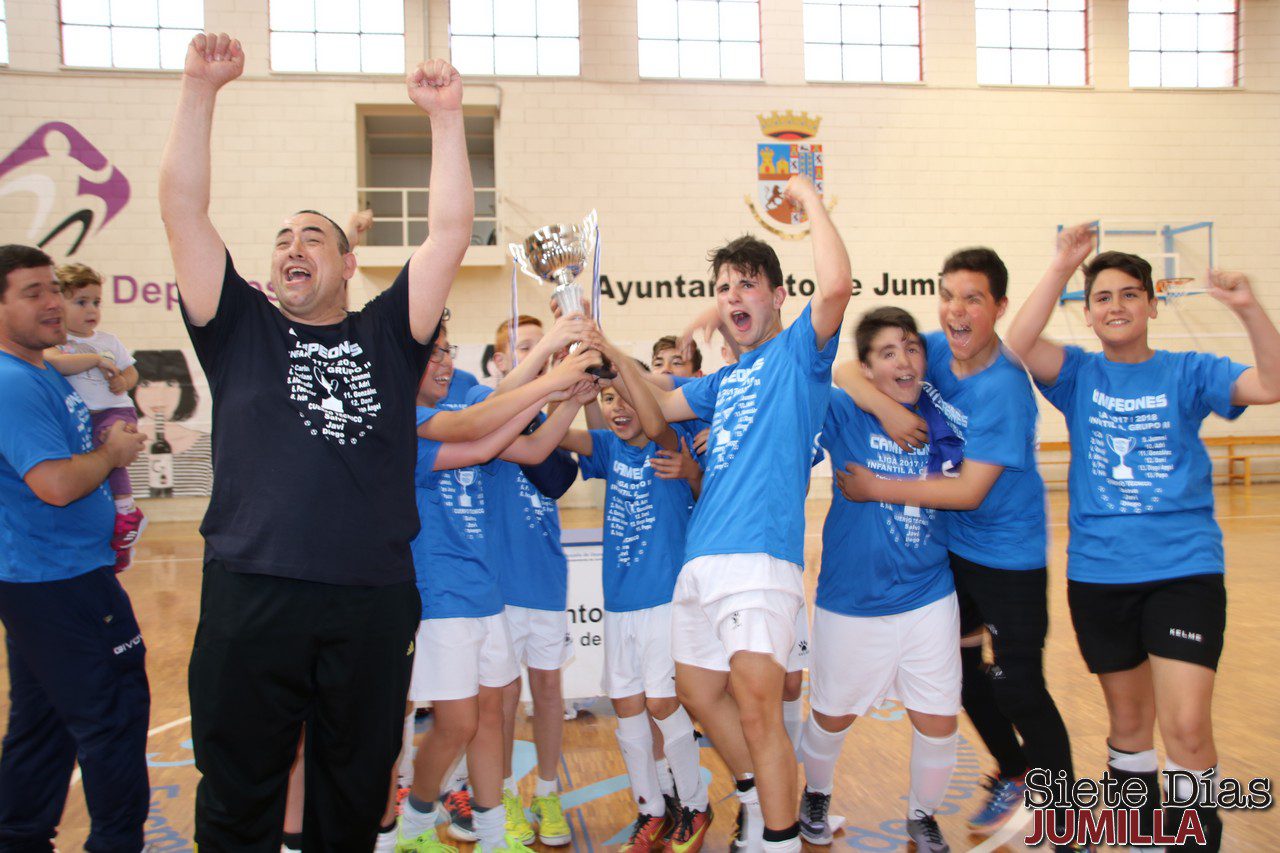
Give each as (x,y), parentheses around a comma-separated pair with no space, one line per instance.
(309,606)
(734,612)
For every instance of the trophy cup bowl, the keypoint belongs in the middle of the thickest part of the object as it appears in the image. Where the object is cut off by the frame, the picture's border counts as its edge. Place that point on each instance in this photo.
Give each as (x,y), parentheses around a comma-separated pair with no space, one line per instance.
(1121,447)
(556,254)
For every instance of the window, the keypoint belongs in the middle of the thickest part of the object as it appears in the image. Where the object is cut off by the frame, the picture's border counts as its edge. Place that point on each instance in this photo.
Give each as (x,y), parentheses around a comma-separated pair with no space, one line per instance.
(862,40)
(337,36)
(704,39)
(129,33)
(396,176)
(514,37)
(1182,43)
(1031,42)
(4,36)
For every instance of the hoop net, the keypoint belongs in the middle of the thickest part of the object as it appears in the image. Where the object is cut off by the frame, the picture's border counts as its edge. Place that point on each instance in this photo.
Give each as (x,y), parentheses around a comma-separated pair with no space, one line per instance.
(1173,289)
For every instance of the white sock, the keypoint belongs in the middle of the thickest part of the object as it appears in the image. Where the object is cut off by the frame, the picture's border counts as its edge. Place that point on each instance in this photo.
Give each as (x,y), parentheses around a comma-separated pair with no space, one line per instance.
(635,740)
(793,719)
(125,504)
(932,760)
(1187,784)
(753,830)
(509,784)
(682,754)
(547,787)
(666,781)
(491,828)
(791,845)
(1133,762)
(457,776)
(415,821)
(819,750)
(404,767)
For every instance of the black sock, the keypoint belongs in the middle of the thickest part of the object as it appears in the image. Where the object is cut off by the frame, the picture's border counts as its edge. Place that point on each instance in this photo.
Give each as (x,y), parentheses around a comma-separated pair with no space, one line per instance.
(980,705)
(292,840)
(391,827)
(1151,795)
(787,834)
(745,785)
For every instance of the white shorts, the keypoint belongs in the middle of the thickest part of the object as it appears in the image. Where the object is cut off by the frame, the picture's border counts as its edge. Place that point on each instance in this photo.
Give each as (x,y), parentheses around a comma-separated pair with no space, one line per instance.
(540,637)
(799,658)
(454,658)
(637,654)
(730,603)
(859,661)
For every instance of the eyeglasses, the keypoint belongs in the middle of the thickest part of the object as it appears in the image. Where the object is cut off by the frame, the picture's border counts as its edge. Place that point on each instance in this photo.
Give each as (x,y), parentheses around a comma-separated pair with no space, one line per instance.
(438,353)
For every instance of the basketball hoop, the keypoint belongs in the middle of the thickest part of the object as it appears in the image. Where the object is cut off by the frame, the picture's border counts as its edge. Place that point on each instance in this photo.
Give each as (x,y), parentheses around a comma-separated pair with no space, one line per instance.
(1173,289)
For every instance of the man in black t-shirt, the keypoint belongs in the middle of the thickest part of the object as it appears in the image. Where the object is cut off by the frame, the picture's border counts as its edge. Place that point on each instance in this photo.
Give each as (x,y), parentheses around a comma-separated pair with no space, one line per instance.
(308,607)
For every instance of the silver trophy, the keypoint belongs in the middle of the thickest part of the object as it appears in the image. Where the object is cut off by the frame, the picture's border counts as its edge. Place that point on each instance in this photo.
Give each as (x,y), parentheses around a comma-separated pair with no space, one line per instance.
(465,477)
(556,254)
(1121,447)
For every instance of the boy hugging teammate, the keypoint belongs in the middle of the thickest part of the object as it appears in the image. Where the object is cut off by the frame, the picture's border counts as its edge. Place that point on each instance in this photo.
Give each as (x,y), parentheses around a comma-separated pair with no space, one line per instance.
(645,521)
(886,621)
(1145,561)
(736,600)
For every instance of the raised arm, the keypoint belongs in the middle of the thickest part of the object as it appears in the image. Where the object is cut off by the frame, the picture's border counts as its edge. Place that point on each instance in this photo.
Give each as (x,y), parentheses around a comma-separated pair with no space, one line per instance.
(905,427)
(532,449)
(830,260)
(1259,385)
(199,256)
(563,332)
(631,385)
(496,410)
(436,88)
(63,481)
(461,454)
(1042,357)
(964,492)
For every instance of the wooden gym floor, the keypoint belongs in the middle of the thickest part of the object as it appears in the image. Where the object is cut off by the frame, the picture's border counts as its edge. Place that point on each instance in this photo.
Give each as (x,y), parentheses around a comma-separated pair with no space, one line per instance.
(871,780)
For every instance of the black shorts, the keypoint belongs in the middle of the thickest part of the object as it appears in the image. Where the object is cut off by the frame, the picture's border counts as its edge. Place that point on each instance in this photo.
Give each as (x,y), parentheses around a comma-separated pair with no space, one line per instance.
(1012,605)
(1119,624)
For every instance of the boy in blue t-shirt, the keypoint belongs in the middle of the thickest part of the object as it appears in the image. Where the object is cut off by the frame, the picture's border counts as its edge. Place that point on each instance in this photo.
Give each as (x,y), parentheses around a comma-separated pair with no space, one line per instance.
(77,683)
(740,589)
(463,657)
(1149,620)
(645,521)
(886,620)
(995,531)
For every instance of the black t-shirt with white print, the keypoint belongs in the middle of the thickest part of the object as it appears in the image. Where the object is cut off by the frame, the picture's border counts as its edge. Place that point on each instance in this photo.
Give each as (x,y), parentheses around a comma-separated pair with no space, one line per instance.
(314,440)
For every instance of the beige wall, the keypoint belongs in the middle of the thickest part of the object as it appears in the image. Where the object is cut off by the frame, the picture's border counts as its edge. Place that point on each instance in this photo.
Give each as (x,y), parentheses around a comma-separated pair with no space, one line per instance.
(918,169)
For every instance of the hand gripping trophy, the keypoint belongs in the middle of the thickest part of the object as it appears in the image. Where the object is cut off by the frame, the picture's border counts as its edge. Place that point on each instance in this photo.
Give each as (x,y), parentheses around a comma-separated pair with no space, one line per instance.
(556,254)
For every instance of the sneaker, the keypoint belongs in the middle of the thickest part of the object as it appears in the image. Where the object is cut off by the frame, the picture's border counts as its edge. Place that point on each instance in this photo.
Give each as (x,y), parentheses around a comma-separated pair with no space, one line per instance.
(690,831)
(510,845)
(517,824)
(427,842)
(129,526)
(924,831)
(553,829)
(124,559)
(457,811)
(672,803)
(386,841)
(647,834)
(813,817)
(1006,797)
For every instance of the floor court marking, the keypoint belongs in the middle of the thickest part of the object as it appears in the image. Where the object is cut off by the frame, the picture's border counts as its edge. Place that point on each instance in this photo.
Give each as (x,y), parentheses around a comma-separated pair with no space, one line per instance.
(75,774)
(1013,827)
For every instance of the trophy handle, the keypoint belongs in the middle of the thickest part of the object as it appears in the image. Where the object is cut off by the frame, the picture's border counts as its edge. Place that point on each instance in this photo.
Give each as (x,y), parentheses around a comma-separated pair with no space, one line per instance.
(521,258)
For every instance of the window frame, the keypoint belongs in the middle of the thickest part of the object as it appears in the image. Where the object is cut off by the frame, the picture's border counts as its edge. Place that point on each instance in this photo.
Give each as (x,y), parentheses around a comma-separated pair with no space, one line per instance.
(919,46)
(110,28)
(1160,52)
(1086,52)
(719,78)
(315,33)
(493,36)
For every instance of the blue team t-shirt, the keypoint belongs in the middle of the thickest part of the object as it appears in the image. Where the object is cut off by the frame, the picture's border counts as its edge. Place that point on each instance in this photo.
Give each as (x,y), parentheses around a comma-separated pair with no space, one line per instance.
(460,386)
(42,419)
(1141,482)
(645,521)
(995,413)
(696,425)
(878,559)
(765,414)
(523,535)
(450,557)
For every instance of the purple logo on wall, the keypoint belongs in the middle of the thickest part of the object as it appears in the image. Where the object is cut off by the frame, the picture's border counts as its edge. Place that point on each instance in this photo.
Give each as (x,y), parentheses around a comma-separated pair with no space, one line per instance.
(102,190)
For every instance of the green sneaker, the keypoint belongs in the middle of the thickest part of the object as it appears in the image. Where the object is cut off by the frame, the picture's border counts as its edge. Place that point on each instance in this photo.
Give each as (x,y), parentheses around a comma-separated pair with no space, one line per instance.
(553,829)
(427,842)
(517,824)
(511,845)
